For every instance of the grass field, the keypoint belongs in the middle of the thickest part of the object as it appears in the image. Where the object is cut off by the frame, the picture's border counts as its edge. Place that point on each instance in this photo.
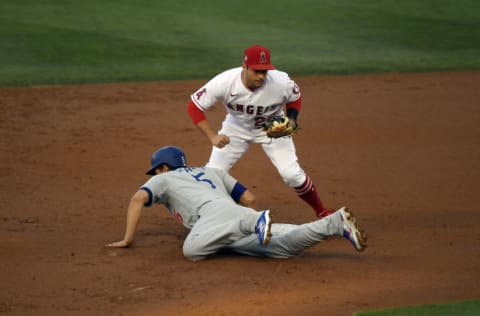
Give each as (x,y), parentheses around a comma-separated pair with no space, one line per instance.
(57,42)
(466,308)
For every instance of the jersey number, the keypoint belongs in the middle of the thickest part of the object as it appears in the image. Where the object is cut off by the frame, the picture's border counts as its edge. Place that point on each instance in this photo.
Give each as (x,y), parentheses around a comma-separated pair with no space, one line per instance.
(199,176)
(259,121)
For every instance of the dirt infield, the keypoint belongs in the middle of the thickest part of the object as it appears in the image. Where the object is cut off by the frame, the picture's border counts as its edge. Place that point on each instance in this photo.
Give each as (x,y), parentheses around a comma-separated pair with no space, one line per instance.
(401,150)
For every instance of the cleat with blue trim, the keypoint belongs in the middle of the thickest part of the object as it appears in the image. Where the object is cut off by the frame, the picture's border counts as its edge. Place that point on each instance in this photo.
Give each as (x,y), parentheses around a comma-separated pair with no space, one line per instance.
(351,231)
(263,228)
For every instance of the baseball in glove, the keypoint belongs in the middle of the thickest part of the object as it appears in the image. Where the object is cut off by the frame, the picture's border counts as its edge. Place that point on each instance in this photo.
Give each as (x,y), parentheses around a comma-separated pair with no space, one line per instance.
(279,126)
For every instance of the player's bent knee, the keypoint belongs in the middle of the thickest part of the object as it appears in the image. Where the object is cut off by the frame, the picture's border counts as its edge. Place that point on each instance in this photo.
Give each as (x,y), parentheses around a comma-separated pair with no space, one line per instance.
(195,258)
(292,177)
(192,253)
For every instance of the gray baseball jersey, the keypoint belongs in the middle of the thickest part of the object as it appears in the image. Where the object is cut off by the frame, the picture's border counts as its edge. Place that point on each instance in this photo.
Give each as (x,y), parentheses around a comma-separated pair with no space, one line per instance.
(185,190)
(205,200)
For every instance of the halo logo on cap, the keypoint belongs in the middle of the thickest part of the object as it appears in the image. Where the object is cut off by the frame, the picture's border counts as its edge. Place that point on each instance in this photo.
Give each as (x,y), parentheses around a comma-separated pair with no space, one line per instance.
(258,58)
(263,58)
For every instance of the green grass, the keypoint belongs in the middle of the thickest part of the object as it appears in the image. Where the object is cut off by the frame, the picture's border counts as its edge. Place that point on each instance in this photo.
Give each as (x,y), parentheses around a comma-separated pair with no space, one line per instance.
(467,308)
(58,42)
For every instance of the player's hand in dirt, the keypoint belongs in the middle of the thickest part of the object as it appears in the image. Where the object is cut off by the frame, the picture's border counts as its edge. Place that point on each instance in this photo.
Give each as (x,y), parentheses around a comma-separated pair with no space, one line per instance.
(118,244)
(220,140)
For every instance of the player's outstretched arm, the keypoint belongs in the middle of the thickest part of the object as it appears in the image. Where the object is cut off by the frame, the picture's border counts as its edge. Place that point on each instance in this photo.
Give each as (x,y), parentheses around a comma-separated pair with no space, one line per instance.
(135,207)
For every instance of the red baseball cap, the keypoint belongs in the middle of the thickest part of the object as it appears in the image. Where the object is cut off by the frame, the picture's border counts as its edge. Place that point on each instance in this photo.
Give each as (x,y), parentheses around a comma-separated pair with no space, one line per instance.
(258,58)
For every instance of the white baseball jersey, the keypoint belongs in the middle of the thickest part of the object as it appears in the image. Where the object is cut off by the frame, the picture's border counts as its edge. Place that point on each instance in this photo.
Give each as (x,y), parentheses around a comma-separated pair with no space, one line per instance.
(247,109)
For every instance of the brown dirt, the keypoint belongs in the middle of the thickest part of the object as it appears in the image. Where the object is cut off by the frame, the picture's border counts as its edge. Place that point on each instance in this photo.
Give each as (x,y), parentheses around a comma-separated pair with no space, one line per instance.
(401,150)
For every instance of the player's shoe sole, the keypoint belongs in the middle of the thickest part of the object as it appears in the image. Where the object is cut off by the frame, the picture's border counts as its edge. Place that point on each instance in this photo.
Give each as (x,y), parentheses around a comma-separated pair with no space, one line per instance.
(352,232)
(263,228)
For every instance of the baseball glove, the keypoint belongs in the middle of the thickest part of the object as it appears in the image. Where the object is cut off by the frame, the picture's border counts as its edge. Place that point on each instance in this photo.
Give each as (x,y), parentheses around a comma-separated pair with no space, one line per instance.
(279,126)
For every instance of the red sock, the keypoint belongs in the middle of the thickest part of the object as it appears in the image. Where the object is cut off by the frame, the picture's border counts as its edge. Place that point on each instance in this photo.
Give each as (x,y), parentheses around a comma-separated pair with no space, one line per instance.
(308,193)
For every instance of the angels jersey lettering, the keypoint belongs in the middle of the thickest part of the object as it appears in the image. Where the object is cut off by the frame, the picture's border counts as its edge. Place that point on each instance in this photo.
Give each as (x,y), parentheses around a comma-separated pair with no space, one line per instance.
(246,108)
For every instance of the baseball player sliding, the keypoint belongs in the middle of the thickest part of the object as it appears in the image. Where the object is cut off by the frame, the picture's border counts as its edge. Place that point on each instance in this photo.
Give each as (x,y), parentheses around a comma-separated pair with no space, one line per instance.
(213,205)
(252,95)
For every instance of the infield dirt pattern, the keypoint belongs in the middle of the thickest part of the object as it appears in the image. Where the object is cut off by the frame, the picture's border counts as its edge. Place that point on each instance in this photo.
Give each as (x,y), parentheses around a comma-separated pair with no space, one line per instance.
(402,151)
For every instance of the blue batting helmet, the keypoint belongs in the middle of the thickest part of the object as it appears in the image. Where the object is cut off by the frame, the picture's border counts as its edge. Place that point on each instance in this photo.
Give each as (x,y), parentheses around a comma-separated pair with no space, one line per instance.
(170,155)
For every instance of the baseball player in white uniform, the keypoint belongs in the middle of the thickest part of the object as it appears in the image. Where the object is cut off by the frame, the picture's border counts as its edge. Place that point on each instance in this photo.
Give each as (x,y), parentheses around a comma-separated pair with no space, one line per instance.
(251,94)
(208,202)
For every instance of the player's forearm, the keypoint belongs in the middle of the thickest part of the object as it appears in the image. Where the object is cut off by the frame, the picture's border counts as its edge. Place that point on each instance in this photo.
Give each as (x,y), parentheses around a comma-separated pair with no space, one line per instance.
(217,140)
(205,128)
(293,109)
(199,119)
(133,216)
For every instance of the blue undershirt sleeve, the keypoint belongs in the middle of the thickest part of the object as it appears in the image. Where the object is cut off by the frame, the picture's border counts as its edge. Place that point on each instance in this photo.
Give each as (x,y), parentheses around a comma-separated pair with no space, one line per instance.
(150,196)
(237,191)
